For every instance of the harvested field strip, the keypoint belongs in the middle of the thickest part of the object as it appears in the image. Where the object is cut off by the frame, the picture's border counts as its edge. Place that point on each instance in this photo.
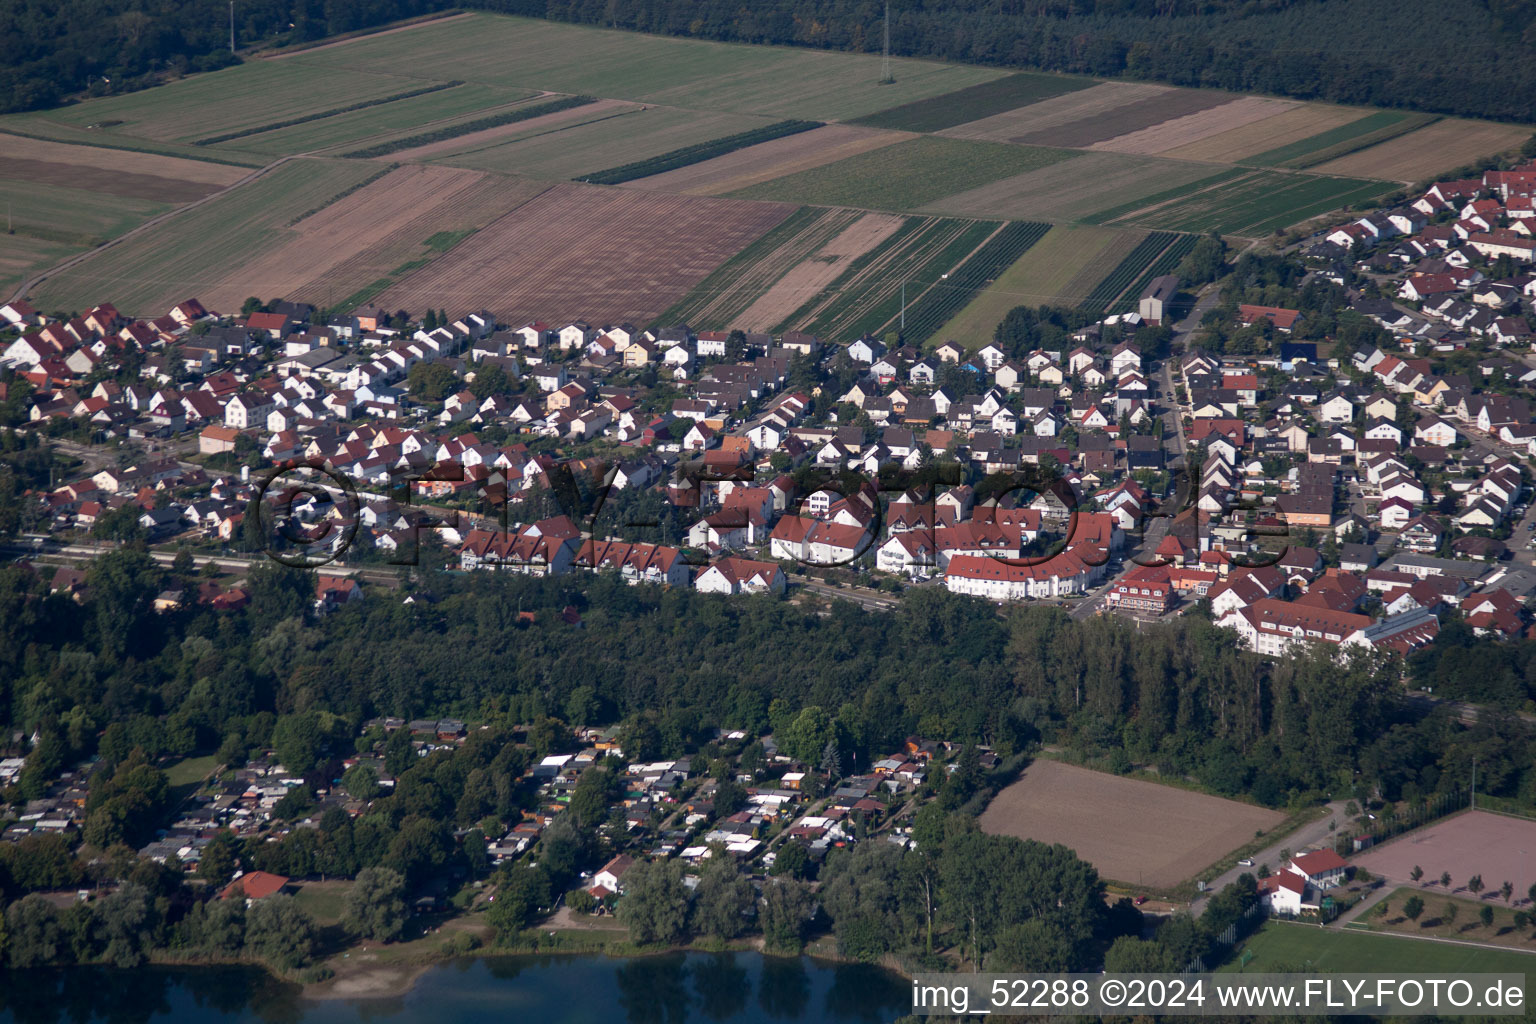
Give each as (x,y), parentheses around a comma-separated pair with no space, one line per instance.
(1237,145)
(40,129)
(99,180)
(475,125)
(245,96)
(1131,117)
(489,138)
(1167,195)
(1181,131)
(172,261)
(1014,125)
(575,149)
(699,151)
(1427,152)
(867,295)
(1072,190)
(907,175)
(1058,270)
(768,160)
(973,102)
(1129,270)
(1258,204)
(946,297)
(214,140)
(717,301)
(1296,154)
(1131,830)
(1164,264)
(605,254)
(116,161)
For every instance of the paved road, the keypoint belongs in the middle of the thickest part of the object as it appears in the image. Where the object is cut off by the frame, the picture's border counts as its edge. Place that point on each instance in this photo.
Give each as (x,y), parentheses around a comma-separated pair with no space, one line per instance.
(70,554)
(868,599)
(1313,833)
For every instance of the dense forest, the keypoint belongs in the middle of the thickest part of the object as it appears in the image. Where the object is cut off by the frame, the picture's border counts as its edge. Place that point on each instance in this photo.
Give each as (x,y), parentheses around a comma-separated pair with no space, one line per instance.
(1179,695)
(1473,58)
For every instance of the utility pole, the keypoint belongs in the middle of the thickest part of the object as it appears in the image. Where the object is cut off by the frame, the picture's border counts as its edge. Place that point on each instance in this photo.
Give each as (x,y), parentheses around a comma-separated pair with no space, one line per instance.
(886,78)
(1474,782)
(231,26)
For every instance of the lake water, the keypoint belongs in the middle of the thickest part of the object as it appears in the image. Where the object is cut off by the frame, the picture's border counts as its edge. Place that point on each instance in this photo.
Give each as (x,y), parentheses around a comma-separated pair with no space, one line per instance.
(678,988)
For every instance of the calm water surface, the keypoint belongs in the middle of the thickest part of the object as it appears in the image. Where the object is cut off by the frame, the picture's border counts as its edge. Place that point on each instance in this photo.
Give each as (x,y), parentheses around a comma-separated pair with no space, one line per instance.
(679,988)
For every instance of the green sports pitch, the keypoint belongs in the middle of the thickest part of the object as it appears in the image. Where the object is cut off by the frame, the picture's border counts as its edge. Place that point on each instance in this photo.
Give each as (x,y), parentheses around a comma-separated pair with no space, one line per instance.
(1280,946)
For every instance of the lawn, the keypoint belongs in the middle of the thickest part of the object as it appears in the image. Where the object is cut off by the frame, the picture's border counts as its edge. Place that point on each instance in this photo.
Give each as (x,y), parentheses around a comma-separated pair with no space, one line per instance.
(1282,946)
(1052,272)
(190,770)
(907,175)
(777,82)
(1464,924)
(156,269)
(324,900)
(974,102)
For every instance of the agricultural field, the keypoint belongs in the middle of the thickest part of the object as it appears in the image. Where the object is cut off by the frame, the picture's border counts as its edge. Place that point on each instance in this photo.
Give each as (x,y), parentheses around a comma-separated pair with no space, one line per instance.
(1073,190)
(465,135)
(974,102)
(381,121)
(1243,144)
(242,97)
(202,247)
(1497,847)
(774,82)
(1365,129)
(866,296)
(1130,271)
(569,152)
(768,160)
(1282,946)
(1126,118)
(74,216)
(1058,270)
(604,254)
(1193,128)
(374,236)
(1422,154)
(22,255)
(934,306)
(781,271)
(1166,263)
(1068,108)
(99,169)
(906,176)
(1253,205)
(1133,831)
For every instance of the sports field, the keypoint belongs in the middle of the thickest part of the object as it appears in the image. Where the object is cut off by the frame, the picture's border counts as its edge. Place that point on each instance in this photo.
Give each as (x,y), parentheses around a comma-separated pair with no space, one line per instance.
(1281,946)
(1497,847)
(1059,270)
(1136,832)
(906,176)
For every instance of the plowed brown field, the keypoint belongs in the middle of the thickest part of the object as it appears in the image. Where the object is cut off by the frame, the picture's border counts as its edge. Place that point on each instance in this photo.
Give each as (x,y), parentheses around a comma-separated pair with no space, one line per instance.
(587,251)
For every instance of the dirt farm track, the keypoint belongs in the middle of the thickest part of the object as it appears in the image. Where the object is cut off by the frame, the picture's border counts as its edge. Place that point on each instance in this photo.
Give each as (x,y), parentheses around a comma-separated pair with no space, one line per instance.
(1140,833)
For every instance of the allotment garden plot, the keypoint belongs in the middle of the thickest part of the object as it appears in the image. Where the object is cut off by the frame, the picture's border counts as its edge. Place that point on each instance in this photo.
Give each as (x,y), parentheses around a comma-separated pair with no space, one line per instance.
(1136,832)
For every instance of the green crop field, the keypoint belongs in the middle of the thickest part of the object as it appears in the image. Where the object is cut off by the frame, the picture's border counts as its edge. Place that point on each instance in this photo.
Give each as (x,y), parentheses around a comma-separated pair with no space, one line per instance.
(246,96)
(411,115)
(934,307)
(974,102)
(166,263)
(1280,946)
(596,145)
(867,296)
(777,82)
(907,175)
(1166,263)
(1128,270)
(1130,206)
(1255,205)
(1057,270)
(1368,130)
(72,216)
